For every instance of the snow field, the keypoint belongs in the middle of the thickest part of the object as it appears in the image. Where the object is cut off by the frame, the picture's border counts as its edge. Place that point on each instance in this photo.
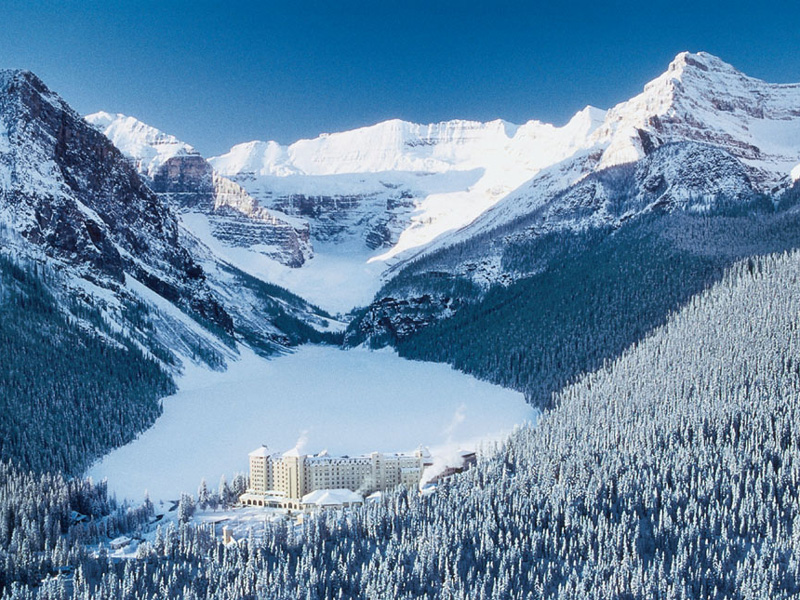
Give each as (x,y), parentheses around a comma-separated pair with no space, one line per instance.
(348,402)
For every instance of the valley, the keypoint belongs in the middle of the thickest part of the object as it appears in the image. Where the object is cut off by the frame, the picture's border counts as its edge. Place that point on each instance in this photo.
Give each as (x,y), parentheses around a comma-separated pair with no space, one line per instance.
(606,310)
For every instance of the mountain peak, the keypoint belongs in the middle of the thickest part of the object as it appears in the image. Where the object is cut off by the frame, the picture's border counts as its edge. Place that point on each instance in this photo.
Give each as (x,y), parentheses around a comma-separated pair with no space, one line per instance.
(588,115)
(20,74)
(21,82)
(702,98)
(102,119)
(690,74)
(148,146)
(700,61)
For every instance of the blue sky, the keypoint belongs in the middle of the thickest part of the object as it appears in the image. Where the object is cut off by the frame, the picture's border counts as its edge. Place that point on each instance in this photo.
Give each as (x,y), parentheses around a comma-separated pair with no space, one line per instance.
(219,73)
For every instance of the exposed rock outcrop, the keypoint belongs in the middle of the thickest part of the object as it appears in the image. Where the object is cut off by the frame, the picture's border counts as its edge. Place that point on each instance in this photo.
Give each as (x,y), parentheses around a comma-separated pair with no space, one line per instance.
(65,188)
(178,173)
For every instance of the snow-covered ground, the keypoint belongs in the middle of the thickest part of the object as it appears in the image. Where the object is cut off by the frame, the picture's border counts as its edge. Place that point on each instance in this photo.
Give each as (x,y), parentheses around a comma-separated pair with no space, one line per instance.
(348,402)
(338,278)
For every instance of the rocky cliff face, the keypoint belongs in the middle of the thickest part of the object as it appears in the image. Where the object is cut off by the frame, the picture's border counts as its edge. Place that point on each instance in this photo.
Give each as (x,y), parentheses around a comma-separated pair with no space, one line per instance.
(66,189)
(239,221)
(186,182)
(178,173)
(71,199)
(372,212)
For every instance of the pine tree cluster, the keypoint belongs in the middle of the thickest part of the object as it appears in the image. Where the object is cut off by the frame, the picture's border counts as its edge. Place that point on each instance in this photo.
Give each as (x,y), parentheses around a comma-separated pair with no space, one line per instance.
(70,388)
(577,299)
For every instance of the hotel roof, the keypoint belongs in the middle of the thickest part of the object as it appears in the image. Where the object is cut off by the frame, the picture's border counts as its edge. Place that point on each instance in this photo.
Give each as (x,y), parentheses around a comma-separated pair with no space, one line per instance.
(260,452)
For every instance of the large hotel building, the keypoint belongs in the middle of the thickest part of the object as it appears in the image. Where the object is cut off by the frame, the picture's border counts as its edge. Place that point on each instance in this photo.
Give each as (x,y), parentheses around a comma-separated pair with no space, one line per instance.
(283,480)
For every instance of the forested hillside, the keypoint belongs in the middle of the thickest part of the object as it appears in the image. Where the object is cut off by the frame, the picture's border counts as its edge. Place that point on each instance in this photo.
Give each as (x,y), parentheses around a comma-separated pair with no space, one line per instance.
(71,389)
(46,522)
(672,472)
(571,300)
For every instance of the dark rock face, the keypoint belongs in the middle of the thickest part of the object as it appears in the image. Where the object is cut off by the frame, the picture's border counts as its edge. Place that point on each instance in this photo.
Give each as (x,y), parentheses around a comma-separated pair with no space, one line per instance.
(238,220)
(314,207)
(288,244)
(684,175)
(390,319)
(71,192)
(187,181)
(380,219)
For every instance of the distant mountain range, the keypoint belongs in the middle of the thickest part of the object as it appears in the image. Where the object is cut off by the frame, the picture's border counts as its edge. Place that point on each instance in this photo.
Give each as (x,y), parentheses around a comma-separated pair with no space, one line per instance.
(377,196)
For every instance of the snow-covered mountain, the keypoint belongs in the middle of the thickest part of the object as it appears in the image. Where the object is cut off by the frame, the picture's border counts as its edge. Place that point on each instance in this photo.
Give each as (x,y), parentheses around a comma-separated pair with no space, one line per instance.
(395,190)
(703,99)
(215,205)
(703,145)
(354,201)
(374,195)
(699,98)
(402,146)
(366,200)
(349,207)
(149,147)
(429,178)
(71,200)
(67,190)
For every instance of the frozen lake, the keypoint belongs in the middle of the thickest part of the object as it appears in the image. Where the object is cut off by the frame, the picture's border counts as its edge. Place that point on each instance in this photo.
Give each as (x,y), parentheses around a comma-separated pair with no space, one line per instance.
(348,402)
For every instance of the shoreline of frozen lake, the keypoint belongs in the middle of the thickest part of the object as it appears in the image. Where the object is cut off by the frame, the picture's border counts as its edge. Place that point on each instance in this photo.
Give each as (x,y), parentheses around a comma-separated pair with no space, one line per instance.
(320,398)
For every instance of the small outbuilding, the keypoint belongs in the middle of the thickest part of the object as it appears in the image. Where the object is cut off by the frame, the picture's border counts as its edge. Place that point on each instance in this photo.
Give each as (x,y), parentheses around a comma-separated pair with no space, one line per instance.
(331,498)
(120,542)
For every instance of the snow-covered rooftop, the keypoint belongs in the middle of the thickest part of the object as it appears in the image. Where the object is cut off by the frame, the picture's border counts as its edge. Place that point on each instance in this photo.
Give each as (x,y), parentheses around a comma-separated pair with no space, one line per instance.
(332,497)
(261,452)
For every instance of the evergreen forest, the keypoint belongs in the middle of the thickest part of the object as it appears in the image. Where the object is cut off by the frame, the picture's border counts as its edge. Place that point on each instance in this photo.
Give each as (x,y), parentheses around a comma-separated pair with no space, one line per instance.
(670,472)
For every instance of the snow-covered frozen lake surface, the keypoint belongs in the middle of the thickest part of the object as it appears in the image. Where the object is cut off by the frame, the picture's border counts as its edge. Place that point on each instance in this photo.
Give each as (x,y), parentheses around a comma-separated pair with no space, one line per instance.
(348,402)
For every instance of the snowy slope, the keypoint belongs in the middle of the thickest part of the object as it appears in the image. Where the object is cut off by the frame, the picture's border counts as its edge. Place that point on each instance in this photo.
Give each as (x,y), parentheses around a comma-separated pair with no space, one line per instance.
(148,146)
(699,98)
(402,146)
